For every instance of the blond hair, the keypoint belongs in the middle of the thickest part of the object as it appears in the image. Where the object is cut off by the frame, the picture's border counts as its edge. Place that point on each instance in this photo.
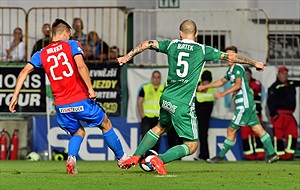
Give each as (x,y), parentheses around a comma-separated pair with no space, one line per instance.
(59,26)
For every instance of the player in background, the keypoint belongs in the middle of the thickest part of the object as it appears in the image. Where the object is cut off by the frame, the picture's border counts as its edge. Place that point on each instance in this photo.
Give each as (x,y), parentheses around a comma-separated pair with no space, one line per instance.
(252,146)
(73,94)
(245,112)
(186,59)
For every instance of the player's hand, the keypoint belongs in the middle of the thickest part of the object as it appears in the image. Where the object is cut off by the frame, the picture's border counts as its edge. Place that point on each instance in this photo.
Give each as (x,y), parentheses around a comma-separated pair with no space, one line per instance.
(259,66)
(123,60)
(92,95)
(12,104)
(218,95)
(201,88)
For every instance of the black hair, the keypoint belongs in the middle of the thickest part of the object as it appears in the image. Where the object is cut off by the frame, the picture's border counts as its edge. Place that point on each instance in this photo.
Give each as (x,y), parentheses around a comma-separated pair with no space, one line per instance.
(206,76)
(248,69)
(156,71)
(233,48)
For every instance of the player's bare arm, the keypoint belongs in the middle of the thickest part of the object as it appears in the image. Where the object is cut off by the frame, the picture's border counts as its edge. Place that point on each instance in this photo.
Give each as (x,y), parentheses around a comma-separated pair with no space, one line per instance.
(140,106)
(85,75)
(235,87)
(150,44)
(237,58)
(214,84)
(20,81)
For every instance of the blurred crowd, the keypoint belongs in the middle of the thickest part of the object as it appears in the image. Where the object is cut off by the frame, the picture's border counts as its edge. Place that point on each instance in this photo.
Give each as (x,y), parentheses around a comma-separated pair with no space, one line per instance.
(95,48)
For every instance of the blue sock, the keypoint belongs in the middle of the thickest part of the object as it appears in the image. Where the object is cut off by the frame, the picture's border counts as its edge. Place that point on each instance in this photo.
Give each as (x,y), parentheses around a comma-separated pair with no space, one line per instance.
(74,145)
(114,143)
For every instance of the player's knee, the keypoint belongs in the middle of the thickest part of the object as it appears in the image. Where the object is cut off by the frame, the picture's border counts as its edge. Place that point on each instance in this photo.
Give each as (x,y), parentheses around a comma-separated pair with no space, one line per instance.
(106,124)
(159,130)
(80,132)
(231,133)
(192,146)
(259,130)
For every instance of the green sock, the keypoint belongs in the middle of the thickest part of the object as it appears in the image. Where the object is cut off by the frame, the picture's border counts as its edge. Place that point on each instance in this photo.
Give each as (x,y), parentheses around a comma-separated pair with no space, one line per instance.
(175,153)
(266,140)
(226,147)
(148,141)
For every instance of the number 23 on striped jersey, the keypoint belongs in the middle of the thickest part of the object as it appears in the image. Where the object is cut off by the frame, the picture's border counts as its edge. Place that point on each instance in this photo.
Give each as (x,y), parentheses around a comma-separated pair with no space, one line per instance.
(61,56)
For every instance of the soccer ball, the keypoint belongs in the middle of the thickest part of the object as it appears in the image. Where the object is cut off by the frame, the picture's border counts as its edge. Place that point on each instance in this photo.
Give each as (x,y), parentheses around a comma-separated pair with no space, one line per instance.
(33,156)
(145,161)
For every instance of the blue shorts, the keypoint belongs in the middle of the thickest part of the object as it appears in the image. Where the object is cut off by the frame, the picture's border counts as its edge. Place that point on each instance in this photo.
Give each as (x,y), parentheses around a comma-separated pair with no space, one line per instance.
(68,116)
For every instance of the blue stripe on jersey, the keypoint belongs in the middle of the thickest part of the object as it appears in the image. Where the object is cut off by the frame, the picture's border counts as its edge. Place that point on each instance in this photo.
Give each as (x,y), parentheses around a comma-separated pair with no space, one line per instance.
(36,60)
(75,47)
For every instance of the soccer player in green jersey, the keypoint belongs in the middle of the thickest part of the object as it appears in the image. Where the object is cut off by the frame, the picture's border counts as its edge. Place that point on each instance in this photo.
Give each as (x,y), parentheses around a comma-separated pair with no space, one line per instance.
(245,113)
(186,59)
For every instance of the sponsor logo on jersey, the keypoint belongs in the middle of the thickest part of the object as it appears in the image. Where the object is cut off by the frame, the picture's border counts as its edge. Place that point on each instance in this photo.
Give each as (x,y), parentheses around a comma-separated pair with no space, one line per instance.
(168,106)
(71,109)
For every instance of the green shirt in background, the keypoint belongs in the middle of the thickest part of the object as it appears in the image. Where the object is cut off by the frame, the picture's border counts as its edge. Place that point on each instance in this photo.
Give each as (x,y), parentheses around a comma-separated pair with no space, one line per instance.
(243,96)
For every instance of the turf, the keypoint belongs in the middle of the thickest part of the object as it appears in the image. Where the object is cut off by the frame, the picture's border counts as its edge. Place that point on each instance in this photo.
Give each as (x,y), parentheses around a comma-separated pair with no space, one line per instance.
(183,175)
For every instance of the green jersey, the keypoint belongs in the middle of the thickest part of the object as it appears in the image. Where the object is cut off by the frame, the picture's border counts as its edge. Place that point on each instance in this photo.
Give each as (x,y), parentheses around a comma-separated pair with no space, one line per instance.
(186,59)
(244,96)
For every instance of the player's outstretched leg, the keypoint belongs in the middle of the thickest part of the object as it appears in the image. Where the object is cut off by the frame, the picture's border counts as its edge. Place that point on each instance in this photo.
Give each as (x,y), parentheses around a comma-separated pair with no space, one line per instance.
(130,162)
(159,166)
(71,165)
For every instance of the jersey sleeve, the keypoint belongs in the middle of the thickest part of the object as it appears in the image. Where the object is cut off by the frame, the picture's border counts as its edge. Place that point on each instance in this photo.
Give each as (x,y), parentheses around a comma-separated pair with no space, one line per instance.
(227,77)
(163,45)
(75,47)
(238,72)
(212,54)
(36,60)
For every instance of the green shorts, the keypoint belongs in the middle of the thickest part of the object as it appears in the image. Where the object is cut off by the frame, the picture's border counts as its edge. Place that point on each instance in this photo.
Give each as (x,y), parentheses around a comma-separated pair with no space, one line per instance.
(244,117)
(181,116)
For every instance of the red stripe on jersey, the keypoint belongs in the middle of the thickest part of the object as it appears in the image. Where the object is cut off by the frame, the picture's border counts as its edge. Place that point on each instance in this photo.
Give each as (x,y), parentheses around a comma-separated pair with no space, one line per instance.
(61,69)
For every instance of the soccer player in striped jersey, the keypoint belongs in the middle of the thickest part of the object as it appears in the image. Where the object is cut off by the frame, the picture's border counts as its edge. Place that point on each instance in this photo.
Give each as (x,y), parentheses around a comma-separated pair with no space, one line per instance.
(245,113)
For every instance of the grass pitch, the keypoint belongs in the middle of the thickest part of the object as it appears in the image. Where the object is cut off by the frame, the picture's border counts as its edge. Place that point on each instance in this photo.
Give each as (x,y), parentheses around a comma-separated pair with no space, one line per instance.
(183,175)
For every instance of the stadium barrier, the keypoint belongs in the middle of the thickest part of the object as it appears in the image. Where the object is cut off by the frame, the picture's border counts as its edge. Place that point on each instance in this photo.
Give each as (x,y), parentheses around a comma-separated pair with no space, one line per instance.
(274,41)
(108,22)
(10,18)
